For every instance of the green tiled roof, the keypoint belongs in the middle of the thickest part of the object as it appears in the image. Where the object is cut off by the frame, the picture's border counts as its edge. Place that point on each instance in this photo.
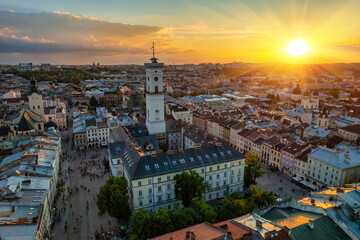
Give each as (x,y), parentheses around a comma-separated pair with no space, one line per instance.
(324,229)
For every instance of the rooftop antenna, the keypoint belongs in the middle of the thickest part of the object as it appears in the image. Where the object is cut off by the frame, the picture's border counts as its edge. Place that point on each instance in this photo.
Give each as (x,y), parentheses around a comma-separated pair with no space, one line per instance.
(153,48)
(153,59)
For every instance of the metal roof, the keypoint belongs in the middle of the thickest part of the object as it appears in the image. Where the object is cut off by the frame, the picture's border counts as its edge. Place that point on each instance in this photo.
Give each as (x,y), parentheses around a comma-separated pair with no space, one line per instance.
(324,229)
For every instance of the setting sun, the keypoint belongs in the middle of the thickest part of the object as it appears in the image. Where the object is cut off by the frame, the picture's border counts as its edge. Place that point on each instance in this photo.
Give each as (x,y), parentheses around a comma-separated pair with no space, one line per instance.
(297,48)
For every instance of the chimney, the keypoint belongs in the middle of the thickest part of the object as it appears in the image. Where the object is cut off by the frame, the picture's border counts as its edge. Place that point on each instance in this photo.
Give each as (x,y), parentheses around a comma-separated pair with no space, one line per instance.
(310,223)
(180,150)
(229,235)
(215,140)
(153,155)
(182,123)
(218,144)
(225,227)
(34,169)
(189,126)
(206,136)
(197,131)
(12,209)
(258,223)
(170,152)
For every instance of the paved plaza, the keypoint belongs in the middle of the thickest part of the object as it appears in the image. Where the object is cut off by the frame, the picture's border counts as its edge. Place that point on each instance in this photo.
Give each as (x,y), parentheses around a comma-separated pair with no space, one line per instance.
(281,185)
(81,186)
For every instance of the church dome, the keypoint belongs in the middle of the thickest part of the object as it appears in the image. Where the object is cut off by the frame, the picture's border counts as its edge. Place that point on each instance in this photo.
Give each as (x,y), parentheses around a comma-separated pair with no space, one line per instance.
(316,93)
(50,124)
(306,93)
(297,90)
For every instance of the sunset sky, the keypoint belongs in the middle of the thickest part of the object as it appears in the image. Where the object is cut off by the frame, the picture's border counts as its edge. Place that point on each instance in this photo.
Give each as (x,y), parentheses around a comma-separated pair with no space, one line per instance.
(121,32)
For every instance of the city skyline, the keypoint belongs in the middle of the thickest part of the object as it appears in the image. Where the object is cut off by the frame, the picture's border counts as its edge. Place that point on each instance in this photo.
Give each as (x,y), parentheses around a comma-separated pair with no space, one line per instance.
(118,32)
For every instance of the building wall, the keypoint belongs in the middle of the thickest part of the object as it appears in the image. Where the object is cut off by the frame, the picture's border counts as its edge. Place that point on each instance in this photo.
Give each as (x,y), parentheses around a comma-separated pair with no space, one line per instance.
(323,173)
(158,191)
(36,104)
(348,135)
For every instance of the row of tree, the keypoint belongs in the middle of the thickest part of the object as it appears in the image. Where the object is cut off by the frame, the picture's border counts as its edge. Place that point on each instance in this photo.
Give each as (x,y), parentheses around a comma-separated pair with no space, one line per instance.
(65,76)
(145,224)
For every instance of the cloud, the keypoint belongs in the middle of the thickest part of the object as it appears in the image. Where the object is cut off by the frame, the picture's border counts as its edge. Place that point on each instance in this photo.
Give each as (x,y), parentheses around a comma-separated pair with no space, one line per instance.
(52,32)
(24,45)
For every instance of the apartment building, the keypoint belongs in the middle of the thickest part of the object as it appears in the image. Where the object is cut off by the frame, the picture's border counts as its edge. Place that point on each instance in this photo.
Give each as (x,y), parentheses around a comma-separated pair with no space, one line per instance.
(350,133)
(151,177)
(334,167)
(194,136)
(289,153)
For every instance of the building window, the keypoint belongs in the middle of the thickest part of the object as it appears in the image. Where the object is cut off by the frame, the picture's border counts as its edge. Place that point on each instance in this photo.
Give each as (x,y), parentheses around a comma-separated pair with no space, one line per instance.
(159,188)
(139,183)
(159,179)
(140,192)
(150,190)
(140,202)
(149,181)
(168,186)
(150,200)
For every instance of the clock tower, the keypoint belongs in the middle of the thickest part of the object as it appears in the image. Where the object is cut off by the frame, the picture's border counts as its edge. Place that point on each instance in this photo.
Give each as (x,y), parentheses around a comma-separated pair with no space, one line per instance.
(154,90)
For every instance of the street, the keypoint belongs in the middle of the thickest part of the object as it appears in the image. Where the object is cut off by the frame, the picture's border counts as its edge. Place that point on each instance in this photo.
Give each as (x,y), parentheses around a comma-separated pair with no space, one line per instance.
(83,173)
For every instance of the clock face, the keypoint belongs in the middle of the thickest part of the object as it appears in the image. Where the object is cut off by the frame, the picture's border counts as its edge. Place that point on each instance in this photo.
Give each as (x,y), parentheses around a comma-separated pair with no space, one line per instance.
(156,78)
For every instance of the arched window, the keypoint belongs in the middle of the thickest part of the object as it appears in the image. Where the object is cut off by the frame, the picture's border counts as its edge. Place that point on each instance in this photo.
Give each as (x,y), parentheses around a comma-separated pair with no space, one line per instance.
(157,114)
(39,126)
(38,106)
(156,78)
(33,107)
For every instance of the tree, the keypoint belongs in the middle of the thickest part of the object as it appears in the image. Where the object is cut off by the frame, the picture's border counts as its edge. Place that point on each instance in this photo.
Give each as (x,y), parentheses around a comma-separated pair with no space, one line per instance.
(203,211)
(252,169)
(141,224)
(145,225)
(161,223)
(182,218)
(231,208)
(188,186)
(260,198)
(113,198)
(93,101)
(136,99)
